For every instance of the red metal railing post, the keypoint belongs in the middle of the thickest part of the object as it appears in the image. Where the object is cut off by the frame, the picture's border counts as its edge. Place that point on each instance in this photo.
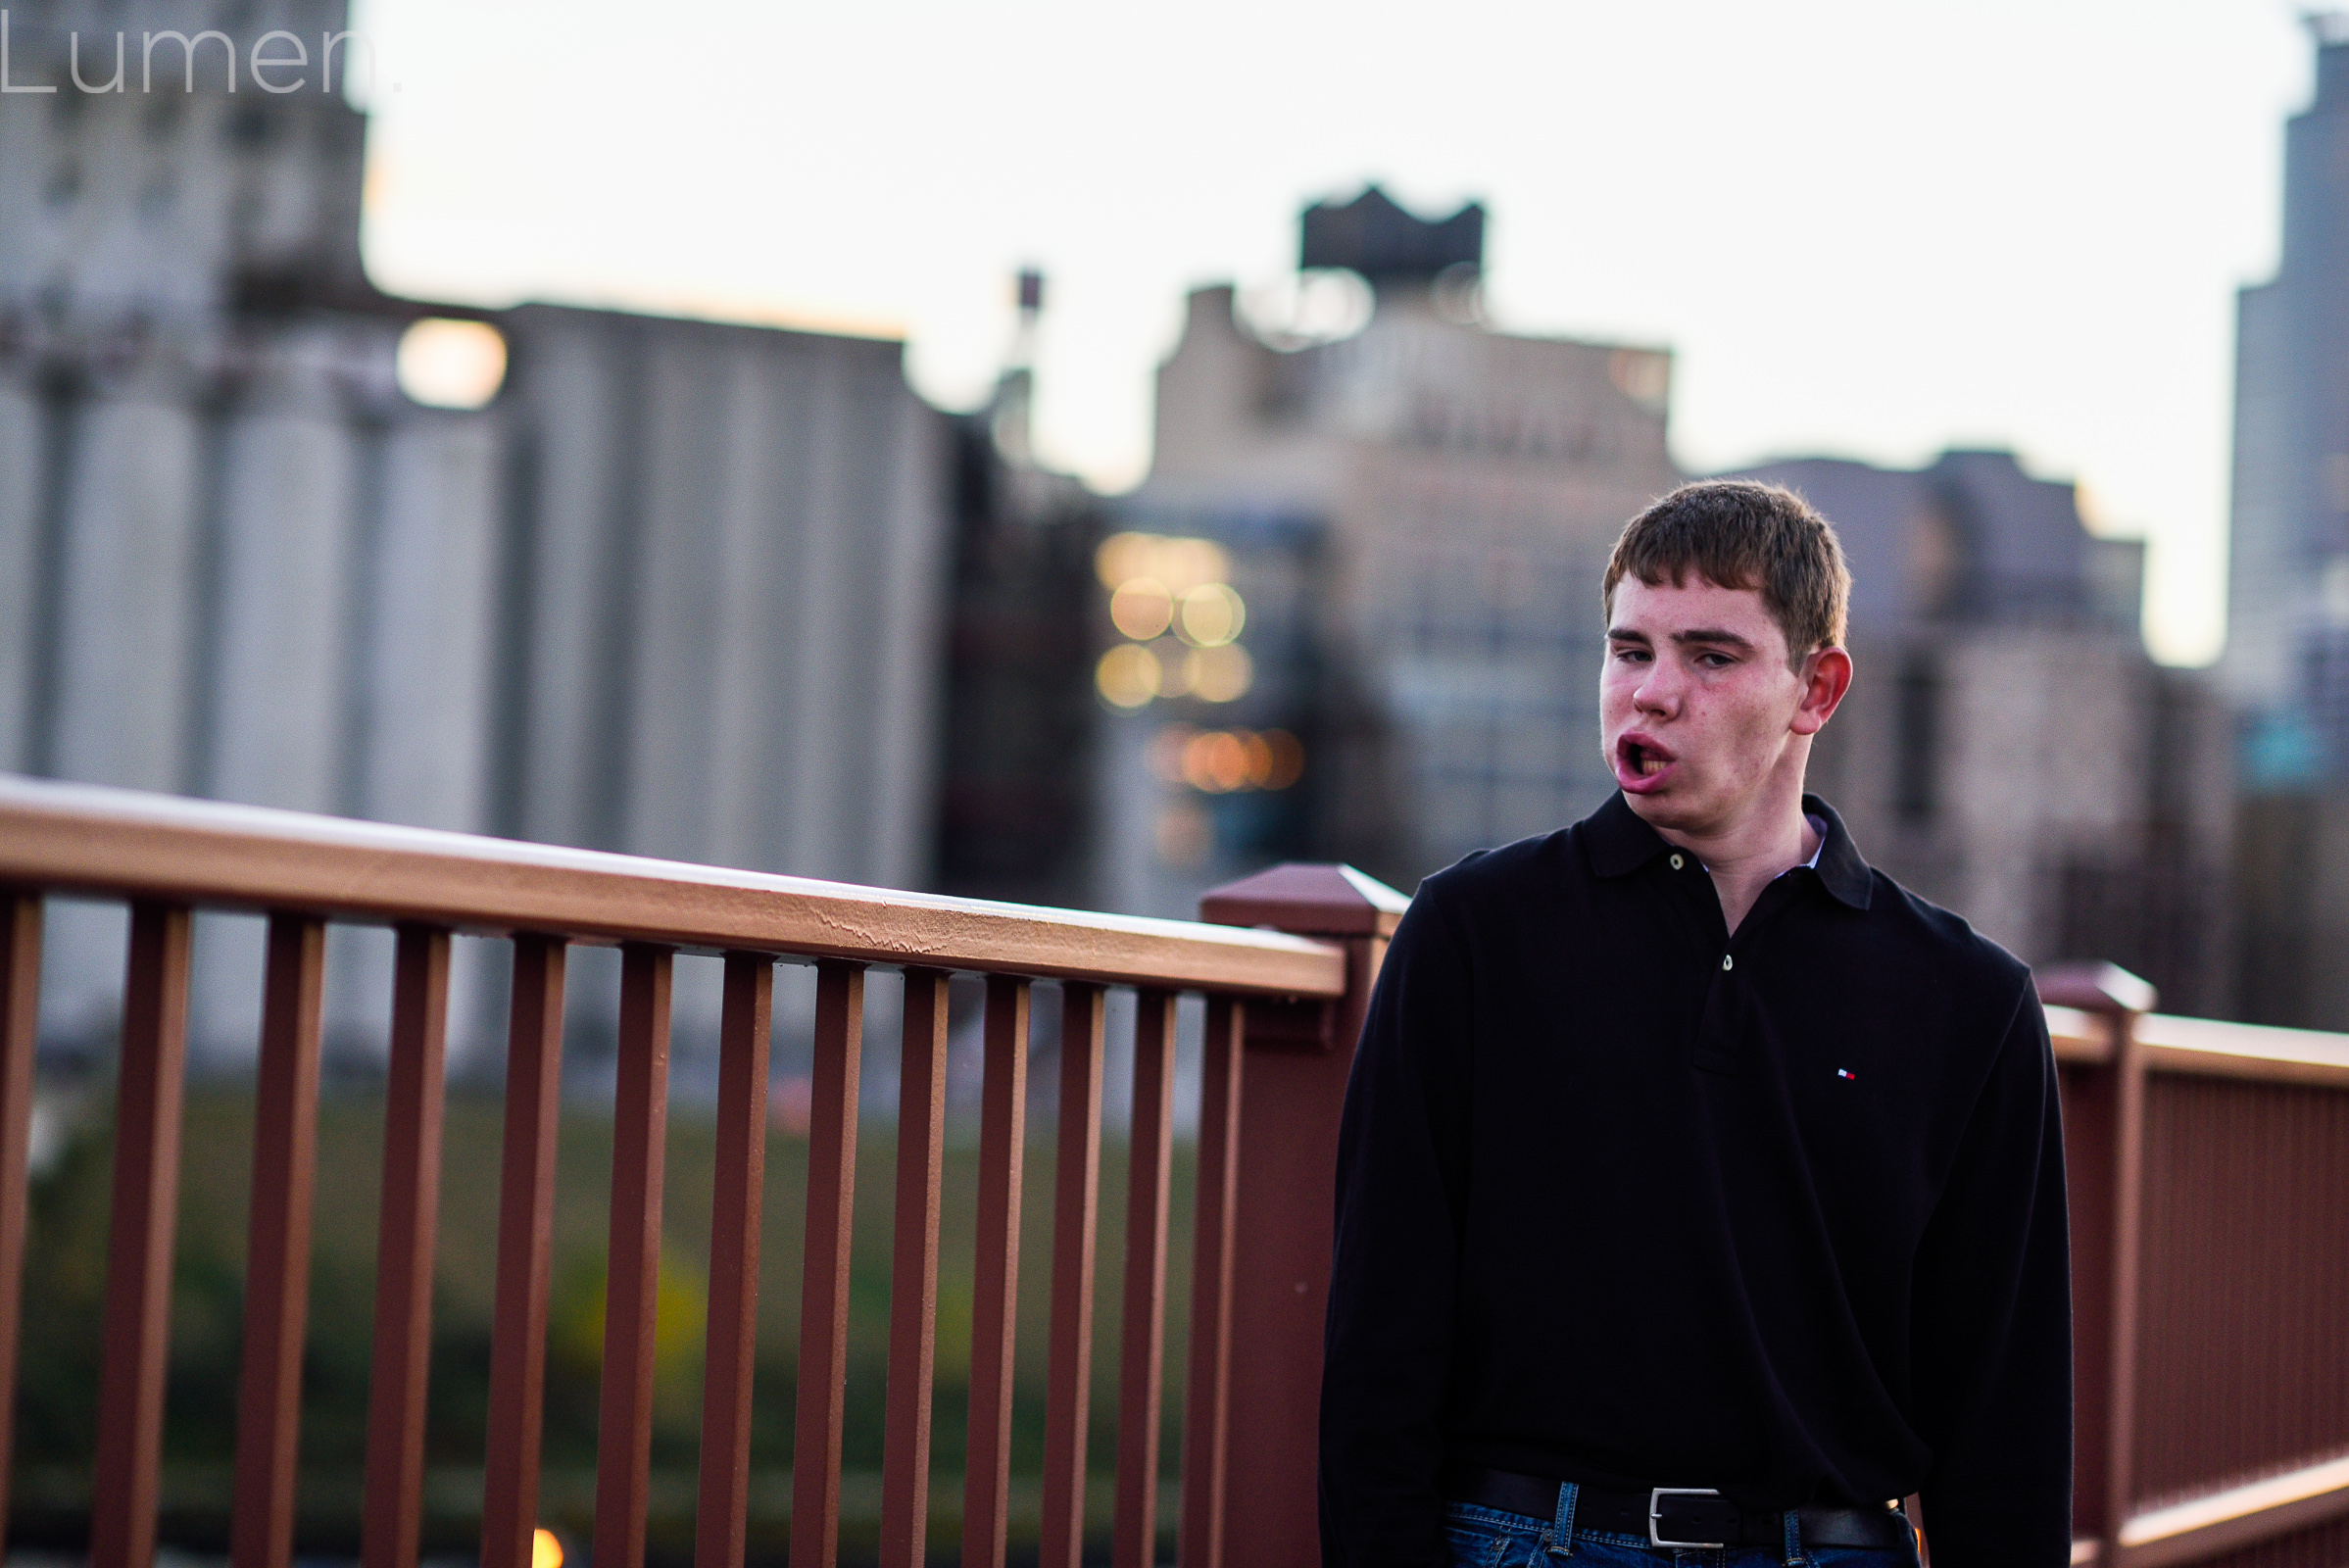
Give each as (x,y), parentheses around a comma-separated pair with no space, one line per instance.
(2104,1132)
(1076,1200)
(913,1273)
(278,1262)
(1208,1403)
(994,1307)
(1142,1340)
(824,1265)
(632,1288)
(1299,1055)
(410,1226)
(139,1237)
(19,1034)
(737,1205)
(517,1343)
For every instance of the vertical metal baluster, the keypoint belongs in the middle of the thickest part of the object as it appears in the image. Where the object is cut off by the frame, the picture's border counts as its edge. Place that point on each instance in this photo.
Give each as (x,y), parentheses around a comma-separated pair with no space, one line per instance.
(414,1102)
(138,1269)
(824,1274)
(1206,1412)
(1142,1342)
(1076,1182)
(632,1279)
(913,1272)
(736,1208)
(525,1239)
(995,1314)
(268,1420)
(20,1037)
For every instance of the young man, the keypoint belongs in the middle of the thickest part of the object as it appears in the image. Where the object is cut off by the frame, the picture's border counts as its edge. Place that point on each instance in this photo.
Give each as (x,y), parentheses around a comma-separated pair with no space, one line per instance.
(1701,1189)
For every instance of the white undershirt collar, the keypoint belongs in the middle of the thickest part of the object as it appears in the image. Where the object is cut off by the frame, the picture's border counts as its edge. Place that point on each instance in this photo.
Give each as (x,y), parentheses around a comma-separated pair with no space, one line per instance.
(1817,827)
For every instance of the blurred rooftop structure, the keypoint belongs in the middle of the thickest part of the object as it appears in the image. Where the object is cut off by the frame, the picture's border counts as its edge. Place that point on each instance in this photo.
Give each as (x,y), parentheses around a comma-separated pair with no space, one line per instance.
(1380,239)
(1968,538)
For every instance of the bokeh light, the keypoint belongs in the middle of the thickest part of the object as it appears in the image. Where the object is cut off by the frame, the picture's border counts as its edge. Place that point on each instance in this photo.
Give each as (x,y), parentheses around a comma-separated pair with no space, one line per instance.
(1220,675)
(1285,759)
(1180,564)
(451,364)
(1141,607)
(1221,761)
(1216,762)
(1212,615)
(1128,675)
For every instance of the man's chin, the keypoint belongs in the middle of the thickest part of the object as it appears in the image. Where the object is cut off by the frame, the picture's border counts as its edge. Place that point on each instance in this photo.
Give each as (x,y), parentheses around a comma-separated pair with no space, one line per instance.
(1666,808)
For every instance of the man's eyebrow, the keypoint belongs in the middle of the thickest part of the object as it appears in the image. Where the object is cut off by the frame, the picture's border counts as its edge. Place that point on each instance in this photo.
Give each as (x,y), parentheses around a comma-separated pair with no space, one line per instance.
(1623,634)
(1712,634)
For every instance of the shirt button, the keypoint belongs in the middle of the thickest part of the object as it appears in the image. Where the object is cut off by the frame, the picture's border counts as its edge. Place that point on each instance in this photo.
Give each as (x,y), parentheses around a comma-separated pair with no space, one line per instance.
(1728,962)
(1678,862)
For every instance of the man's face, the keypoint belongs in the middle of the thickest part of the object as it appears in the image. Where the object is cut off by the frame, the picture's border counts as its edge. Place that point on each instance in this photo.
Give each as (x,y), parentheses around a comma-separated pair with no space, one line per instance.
(1698,708)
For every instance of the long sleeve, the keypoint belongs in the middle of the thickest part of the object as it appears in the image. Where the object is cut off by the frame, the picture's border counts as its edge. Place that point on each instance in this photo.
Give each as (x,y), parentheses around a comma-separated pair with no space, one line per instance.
(1402,1160)
(1993,1315)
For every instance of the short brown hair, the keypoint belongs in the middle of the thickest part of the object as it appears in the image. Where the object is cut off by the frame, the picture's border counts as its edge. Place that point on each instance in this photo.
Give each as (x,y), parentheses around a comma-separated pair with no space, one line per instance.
(1741,533)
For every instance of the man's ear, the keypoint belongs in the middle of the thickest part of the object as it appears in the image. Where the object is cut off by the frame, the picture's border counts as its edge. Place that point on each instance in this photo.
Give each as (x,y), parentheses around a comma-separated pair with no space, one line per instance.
(1826,677)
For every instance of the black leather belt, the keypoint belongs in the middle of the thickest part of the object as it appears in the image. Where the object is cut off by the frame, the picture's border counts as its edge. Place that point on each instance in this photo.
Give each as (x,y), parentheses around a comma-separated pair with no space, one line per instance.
(1675,1516)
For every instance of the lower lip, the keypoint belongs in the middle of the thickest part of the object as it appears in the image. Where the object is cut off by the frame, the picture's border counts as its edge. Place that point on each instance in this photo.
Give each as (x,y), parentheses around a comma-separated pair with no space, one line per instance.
(1635,782)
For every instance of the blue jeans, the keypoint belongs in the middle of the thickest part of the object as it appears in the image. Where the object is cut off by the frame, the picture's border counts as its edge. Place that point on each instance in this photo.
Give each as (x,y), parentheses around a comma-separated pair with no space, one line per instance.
(1488,1538)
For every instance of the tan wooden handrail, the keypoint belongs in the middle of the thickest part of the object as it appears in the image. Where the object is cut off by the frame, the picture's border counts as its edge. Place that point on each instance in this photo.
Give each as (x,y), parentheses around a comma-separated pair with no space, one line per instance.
(130,843)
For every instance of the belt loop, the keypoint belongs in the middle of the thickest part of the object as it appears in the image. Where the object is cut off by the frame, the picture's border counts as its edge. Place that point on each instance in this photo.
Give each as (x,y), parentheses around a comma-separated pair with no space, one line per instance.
(1561,1529)
(1794,1556)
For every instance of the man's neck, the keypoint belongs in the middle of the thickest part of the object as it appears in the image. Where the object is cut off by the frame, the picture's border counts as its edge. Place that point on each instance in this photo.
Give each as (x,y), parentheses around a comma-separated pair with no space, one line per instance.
(1746,856)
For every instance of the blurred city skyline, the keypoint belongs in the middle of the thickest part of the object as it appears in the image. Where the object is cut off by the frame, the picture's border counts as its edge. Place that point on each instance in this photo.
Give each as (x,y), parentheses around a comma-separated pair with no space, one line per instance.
(1862,231)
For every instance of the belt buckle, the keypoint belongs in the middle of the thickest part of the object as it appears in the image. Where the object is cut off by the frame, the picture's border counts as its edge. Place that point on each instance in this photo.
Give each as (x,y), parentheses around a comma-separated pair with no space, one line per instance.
(1656,1500)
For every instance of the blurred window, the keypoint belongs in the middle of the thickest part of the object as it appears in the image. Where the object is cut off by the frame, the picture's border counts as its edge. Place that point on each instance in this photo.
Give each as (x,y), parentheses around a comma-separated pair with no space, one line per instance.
(1917,740)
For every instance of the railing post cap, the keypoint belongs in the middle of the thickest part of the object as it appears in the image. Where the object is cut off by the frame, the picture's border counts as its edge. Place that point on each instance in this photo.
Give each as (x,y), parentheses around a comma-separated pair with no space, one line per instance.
(1307,898)
(2094,987)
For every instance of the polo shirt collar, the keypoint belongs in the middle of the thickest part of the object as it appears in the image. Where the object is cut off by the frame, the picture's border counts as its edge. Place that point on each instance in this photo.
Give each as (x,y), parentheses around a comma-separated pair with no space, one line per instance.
(1616,842)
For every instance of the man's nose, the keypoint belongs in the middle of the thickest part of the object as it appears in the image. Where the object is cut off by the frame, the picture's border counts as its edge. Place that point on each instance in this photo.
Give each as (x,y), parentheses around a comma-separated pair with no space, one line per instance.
(1659,692)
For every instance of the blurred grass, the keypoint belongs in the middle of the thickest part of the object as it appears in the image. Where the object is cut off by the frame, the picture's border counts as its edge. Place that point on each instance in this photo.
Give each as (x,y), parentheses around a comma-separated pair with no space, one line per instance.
(65,1270)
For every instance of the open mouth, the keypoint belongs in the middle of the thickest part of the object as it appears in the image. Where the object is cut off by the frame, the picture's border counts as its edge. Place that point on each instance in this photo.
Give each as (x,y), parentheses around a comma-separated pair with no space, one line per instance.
(1639,759)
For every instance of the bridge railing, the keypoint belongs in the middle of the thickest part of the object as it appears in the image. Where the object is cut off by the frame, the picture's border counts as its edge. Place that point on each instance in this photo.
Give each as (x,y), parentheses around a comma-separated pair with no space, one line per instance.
(2209,1170)
(1286,1006)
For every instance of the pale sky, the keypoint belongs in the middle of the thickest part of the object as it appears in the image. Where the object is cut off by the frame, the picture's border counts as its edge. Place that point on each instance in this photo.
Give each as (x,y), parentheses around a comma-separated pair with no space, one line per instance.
(1866,229)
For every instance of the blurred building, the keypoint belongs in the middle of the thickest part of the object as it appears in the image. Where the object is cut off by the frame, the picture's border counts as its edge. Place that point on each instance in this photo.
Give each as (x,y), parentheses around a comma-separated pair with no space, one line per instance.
(2009,749)
(661,586)
(2286,664)
(1416,510)
(1020,720)
(2287,651)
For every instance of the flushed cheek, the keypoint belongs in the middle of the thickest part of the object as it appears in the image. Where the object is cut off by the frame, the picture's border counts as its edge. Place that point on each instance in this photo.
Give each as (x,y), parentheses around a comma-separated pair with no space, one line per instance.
(1750,748)
(1618,701)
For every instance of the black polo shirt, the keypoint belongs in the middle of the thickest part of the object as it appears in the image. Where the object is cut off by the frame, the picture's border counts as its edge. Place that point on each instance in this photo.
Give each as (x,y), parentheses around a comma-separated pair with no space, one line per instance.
(1627,1200)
